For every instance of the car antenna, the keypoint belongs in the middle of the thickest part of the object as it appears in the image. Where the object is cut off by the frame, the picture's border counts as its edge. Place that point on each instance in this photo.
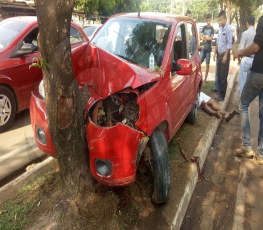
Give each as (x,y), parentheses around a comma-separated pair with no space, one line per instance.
(139,13)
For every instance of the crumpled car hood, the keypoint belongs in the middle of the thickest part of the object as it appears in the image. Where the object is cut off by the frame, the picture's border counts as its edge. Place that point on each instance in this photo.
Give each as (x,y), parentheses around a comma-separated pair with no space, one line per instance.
(107,73)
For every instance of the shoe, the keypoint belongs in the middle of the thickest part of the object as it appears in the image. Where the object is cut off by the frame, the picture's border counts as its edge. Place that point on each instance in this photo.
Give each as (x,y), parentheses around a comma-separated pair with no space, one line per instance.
(219,98)
(214,90)
(237,112)
(259,159)
(216,97)
(244,152)
(231,115)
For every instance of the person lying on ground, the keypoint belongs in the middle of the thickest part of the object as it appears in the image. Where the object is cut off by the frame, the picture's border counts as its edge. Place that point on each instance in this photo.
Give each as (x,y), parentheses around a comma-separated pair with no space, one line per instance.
(210,106)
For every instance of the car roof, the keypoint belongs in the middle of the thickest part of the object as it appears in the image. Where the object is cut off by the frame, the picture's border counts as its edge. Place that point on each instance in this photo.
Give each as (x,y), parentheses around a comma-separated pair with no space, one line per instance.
(153,15)
(27,19)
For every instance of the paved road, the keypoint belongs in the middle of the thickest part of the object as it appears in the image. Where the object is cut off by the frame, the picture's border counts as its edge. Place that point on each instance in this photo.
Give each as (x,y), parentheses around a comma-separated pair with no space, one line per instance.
(231,195)
(17,146)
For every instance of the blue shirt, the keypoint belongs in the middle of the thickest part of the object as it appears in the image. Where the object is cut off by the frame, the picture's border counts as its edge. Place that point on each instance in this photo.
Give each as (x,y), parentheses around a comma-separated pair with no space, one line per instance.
(224,40)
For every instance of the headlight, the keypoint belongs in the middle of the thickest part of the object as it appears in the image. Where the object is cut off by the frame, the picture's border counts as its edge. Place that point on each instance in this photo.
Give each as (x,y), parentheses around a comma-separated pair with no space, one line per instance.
(41,89)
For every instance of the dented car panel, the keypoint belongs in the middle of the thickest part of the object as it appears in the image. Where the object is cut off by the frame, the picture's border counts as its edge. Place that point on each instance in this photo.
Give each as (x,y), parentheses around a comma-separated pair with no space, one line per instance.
(118,144)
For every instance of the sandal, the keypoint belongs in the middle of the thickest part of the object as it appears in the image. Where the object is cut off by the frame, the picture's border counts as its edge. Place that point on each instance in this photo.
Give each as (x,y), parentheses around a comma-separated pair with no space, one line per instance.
(231,115)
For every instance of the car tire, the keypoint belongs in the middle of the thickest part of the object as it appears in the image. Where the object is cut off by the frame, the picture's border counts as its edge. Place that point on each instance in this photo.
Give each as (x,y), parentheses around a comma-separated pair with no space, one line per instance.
(7,108)
(192,116)
(161,167)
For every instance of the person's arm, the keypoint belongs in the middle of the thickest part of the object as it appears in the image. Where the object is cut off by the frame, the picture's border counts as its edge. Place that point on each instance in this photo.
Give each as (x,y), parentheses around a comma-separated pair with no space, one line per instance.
(254,47)
(202,37)
(250,50)
(210,38)
(228,44)
(214,57)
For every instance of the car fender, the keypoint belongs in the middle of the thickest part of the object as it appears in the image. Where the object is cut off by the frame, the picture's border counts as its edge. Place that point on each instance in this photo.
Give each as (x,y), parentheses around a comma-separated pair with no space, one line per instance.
(149,120)
(8,82)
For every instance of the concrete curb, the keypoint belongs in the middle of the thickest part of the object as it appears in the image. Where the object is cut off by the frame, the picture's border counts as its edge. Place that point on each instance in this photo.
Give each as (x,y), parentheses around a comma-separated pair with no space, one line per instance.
(201,150)
(9,190)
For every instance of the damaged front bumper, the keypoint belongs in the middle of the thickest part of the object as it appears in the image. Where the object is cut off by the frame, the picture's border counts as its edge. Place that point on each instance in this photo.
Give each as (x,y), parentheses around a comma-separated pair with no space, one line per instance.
(114,153)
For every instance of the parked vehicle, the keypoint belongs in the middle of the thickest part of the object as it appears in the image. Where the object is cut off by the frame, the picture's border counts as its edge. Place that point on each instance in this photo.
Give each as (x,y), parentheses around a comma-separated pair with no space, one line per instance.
(91,30)
(133,111)
(216,32)
(18,48)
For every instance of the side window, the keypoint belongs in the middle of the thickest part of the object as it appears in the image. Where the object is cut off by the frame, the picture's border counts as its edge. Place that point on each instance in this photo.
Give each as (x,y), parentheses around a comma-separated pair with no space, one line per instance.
(192,40)
(75,36)
(179,46)
(31,38)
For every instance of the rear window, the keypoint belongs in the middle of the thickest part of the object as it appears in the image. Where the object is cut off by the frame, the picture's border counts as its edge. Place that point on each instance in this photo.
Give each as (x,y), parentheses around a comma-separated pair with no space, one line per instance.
(10,30)
(89,30)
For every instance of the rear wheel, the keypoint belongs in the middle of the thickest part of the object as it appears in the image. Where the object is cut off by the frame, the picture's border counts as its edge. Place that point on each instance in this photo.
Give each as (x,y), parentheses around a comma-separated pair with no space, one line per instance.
(192,116)
(7,108)
(161,167)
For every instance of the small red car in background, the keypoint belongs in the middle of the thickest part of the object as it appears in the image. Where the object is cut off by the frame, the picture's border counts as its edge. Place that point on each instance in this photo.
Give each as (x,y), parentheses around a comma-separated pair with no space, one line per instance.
(18,47)
(144,77)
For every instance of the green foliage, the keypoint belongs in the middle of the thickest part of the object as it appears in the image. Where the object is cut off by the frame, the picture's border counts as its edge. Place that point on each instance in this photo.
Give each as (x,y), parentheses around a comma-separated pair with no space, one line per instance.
(40,63)
(157,68)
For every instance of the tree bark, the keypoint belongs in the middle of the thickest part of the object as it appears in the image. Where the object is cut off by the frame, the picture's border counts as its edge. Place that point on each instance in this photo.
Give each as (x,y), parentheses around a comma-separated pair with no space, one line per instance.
(64,104)
(228,6)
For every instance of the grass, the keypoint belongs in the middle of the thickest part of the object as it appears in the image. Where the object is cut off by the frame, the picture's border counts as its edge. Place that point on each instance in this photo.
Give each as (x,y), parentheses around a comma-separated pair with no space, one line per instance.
(207,88)
(174,151)
(13,214)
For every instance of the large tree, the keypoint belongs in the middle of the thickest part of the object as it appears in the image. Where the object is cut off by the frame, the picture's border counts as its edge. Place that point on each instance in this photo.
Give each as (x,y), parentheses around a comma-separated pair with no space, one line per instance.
(64,101)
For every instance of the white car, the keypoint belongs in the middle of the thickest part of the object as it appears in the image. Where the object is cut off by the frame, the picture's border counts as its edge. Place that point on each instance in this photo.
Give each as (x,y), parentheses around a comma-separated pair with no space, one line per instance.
(90,30)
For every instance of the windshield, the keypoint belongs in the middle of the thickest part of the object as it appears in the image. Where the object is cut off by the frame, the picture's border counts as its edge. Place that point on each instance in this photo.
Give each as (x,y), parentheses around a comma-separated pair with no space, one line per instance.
(89,30)
(134,39)
(10,30)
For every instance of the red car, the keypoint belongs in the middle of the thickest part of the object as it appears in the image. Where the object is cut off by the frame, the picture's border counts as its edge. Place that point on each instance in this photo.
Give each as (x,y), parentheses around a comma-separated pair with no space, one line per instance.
(134,110)
(18,47)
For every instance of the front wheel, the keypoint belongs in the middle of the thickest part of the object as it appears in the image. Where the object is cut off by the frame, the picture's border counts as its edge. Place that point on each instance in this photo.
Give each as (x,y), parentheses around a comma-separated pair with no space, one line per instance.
(161,167)
(7,108)
(192,116)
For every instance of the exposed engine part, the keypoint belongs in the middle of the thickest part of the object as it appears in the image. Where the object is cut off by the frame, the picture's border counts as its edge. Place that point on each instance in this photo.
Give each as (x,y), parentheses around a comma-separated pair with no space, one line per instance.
(119,107)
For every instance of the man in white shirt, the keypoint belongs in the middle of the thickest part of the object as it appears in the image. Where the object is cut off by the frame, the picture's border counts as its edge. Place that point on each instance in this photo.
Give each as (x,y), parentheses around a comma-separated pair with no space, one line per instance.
(246,62)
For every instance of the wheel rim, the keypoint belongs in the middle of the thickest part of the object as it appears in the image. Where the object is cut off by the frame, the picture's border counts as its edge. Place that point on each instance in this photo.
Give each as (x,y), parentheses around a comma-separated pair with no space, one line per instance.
(5,109)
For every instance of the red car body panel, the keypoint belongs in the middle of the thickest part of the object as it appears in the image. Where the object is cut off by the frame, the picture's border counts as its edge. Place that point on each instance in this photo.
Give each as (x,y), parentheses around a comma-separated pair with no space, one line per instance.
(170,99)
(15,72)
(119,144)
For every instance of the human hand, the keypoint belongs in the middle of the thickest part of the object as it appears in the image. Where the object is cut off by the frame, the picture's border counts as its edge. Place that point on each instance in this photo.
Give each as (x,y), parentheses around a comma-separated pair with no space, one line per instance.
(224,59)
(214,57)
(236,55)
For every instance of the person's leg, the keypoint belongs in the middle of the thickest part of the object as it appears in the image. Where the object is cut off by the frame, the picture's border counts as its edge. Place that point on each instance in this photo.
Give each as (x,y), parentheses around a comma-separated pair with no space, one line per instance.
(207,57)
(252,88)
(245,66)
(260,134)
(223,77)
(209,110)
(219,70)
(217,88)
(202,56)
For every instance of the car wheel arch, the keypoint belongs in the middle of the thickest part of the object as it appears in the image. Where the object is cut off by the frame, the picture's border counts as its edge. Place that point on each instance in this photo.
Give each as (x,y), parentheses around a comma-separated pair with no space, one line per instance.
(14,93)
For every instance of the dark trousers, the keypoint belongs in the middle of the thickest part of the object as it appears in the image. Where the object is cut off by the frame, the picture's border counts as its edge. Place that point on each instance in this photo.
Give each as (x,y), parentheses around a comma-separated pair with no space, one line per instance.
(222,73)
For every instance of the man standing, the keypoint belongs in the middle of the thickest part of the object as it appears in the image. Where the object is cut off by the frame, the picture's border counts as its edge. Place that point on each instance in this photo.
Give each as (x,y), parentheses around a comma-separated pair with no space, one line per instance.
(246,62)
(223,47)
(252,88)
(207,37)
(189,13)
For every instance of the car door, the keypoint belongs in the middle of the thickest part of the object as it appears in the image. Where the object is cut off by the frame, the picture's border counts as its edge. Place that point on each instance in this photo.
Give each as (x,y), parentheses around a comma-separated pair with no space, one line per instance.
(180,87)
(30,78)
(194,58)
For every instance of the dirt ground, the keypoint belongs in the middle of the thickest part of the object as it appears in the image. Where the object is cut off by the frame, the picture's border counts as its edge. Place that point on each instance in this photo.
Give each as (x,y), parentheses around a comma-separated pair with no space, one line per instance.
(128,207)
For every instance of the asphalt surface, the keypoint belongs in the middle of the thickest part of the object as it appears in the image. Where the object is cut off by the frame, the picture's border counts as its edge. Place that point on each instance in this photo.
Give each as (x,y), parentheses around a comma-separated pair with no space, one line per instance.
(17,148)
(230,196)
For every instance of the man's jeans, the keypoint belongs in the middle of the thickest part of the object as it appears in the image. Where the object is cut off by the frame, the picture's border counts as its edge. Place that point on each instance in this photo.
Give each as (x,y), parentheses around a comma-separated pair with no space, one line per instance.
(252,88)
(222,73)
(244,71)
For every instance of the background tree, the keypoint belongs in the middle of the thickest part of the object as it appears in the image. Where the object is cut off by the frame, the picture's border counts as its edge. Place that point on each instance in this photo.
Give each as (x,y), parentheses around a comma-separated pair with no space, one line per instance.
(64,102)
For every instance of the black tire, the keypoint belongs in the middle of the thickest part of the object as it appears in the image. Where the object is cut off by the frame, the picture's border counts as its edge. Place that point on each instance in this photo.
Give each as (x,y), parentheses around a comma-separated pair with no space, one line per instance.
(161,167)
(192,116)
(6,120)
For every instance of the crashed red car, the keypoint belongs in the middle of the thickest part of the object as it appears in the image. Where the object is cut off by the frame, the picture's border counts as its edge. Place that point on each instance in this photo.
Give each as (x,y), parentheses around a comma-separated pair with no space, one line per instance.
(133,110)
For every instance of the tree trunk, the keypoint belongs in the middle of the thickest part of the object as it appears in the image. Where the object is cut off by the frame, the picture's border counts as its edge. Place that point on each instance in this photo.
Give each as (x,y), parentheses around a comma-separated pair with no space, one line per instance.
(64,104)
(228,6)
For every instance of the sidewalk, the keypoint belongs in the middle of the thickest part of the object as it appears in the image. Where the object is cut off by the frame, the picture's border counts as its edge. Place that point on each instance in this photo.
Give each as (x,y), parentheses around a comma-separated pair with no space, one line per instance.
(231,195)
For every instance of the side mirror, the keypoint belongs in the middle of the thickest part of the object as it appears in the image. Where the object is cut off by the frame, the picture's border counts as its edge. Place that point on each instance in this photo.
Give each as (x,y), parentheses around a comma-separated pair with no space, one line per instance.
(25,49)
(176,67)
(186,67)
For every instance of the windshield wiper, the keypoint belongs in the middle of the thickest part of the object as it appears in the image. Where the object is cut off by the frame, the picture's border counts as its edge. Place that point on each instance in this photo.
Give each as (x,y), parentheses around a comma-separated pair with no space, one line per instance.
(126,58)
